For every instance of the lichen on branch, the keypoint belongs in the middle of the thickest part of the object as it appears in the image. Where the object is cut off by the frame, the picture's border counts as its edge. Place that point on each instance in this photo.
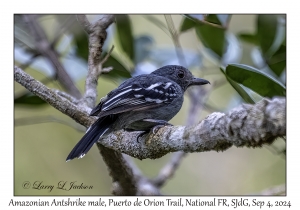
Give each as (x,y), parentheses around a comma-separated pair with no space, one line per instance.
(246,125)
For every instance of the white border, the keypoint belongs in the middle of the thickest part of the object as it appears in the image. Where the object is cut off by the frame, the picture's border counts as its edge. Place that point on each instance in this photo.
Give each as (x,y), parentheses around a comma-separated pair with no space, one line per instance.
(154,6)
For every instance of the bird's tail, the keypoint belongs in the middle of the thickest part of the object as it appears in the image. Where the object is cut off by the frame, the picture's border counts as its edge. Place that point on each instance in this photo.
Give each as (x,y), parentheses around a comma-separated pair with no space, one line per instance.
(91,136)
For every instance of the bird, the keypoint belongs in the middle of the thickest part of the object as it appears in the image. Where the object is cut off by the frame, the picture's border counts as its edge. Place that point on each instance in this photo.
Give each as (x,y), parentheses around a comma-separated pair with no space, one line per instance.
(142,103)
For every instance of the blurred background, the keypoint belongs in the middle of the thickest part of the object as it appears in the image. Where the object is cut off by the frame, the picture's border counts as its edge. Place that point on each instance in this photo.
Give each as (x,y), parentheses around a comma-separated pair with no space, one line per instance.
(206,44)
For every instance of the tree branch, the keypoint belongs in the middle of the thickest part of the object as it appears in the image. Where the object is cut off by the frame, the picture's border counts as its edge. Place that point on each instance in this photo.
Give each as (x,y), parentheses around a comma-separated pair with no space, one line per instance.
(169,169)
(44,48)
(246,125)
(126,180)
(62,104)
(196,104)
(107,55)
(67,96)
(63,27)
(175,39)
(97,35)
(119,170)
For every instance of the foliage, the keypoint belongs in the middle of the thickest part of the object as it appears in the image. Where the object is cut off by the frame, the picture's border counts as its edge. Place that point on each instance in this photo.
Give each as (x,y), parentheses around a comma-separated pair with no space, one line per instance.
(247,65)
(269,50)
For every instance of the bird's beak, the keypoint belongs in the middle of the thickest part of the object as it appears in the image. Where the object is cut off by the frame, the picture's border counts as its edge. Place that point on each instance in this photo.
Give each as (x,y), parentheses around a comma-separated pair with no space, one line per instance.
(198,81)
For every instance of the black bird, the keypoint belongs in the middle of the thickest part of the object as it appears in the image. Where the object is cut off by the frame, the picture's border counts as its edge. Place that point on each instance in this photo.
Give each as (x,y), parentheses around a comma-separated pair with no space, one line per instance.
(142,103)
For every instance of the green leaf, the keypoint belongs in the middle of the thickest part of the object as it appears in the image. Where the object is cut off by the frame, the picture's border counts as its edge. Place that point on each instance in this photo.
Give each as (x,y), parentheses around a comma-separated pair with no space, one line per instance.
(270,33)
(212,37)
(118,69)
(250,38)
(277,62)
(125,34)
(29,99)
(82,44)
(187,24)
(213,19)
(240,89)
(256,80)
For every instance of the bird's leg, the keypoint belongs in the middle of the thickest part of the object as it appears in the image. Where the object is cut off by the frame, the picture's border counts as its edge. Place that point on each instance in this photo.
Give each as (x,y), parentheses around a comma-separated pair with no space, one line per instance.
(157,124)
(129,129)
(141,135)
(147,125)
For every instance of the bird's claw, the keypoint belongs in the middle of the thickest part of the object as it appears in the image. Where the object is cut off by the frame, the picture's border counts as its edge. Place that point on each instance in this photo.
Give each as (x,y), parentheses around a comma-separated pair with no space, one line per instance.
(153,130)
(156,128)
(141,135)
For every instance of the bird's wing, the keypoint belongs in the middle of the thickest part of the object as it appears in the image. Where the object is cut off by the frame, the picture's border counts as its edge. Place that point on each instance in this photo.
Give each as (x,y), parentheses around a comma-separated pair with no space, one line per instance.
(135,97)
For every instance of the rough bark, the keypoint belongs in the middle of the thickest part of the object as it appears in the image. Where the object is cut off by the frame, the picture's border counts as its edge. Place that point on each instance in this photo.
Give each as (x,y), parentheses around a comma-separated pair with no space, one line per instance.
(246,125)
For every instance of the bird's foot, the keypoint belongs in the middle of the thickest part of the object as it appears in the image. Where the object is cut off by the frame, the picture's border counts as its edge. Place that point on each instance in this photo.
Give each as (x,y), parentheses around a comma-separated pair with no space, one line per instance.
(141,135)
(156,128)
(159,125)
(155,125)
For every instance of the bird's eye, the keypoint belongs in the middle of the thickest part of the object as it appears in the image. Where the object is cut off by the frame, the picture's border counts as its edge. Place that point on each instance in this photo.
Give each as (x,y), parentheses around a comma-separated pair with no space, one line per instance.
(180,74)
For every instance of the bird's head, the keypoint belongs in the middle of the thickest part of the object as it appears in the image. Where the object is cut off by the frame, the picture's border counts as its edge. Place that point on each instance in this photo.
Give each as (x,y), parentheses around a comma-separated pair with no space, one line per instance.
(180,75)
